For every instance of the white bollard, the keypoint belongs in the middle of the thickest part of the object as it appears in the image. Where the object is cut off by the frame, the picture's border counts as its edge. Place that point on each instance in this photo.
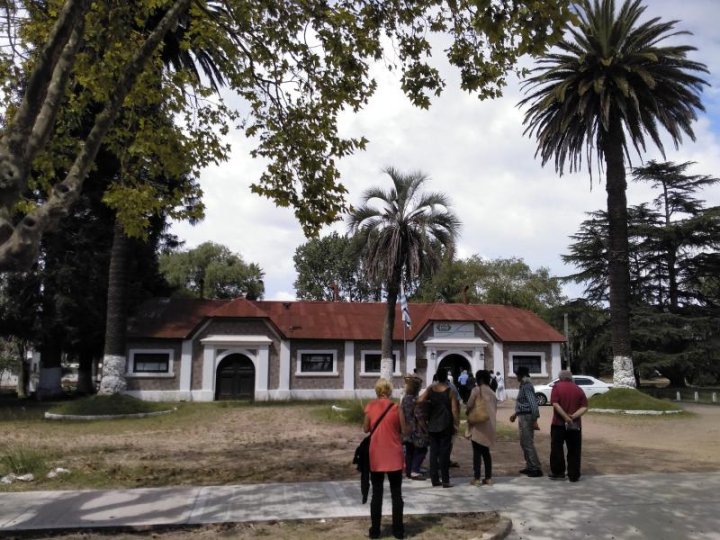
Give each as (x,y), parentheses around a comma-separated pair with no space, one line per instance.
(697,397)
(677,396)
(714,397)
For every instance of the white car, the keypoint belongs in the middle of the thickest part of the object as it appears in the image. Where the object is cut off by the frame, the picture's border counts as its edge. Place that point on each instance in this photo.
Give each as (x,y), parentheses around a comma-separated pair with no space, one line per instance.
(590,385)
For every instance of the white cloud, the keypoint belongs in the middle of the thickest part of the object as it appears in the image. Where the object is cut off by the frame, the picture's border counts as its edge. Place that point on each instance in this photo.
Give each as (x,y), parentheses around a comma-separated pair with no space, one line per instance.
(474,151)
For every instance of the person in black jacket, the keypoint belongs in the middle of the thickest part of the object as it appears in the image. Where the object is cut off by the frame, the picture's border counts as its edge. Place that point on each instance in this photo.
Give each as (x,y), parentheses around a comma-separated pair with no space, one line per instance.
(443,423)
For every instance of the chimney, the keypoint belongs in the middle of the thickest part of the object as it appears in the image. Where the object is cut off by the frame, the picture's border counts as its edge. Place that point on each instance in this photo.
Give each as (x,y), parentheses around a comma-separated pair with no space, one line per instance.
(336,292)
(464,294)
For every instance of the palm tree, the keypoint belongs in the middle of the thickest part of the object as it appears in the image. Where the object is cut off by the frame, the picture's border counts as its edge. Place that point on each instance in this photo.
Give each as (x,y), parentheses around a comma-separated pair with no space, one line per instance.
(609,84)
(405,234)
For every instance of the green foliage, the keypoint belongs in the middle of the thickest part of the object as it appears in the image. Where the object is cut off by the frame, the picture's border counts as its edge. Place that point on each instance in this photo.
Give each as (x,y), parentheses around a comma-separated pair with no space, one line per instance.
(498,281)
(611,69)
(345,412)
(21,461)
(630,399)
(611,83)
(108,405)
(404,233)
(293,68)
(332,260)
(588,348)
(674,241)
(212,271)
(10,356)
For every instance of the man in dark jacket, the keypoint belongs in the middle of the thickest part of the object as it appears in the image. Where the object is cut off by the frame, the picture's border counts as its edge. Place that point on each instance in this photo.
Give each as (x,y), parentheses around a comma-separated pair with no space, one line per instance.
(527,414)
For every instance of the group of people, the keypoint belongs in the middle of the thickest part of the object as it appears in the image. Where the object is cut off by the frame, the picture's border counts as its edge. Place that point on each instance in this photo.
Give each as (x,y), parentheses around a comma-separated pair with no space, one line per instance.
(404,434)
(466,383)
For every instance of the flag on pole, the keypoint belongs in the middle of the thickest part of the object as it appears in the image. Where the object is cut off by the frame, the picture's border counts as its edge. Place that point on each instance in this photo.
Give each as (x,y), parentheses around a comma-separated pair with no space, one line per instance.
(404,309)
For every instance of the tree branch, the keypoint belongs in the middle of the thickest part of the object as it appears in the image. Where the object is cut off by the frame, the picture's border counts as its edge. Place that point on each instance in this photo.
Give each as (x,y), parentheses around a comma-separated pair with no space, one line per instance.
(21,247)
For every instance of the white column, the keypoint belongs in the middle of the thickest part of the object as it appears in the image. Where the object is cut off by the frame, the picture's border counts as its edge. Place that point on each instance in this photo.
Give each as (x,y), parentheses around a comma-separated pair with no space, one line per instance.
(349,368)
(411,360)
(431,365)
(556,365)
(208,382)
(498,359)
(262,373)
(476,361)
(186,369)
(284,383)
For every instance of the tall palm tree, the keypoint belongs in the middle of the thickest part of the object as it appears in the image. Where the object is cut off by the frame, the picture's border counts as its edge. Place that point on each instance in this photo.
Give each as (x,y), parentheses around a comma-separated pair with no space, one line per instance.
(404,233)
(609,84)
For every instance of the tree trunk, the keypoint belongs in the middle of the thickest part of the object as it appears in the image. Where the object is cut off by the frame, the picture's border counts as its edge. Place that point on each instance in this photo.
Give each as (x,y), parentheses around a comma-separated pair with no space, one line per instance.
(23,378)
(618,259)
(386,363)
(85,384)
(49,384)
(114,359)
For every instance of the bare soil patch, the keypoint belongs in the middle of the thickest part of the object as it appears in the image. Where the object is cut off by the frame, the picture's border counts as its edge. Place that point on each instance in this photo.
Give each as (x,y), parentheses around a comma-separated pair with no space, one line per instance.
(210,445)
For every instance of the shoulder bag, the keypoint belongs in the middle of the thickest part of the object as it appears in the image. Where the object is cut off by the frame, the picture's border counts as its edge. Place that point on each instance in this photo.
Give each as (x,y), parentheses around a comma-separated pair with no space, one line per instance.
(479,412)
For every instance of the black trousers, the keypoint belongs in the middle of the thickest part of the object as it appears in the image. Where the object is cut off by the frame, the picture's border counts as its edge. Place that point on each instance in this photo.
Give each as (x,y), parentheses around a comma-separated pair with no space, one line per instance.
(559,439)
(481,453)
(440,448)
(377,479)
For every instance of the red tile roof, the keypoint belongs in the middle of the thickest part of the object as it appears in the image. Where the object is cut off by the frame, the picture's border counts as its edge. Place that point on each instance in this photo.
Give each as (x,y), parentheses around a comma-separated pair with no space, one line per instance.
(335,320)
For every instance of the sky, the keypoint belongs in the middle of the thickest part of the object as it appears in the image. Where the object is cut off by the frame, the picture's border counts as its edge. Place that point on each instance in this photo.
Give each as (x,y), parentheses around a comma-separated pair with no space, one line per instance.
(475,152)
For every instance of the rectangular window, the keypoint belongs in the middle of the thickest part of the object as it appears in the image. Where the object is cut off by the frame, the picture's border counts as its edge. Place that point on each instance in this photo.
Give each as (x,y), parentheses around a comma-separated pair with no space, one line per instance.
(534,361)
(372,362)
(152,363)
(317,362)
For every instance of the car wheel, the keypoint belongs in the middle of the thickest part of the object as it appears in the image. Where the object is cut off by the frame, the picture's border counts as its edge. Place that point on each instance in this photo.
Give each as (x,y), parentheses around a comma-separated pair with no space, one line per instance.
(541,399)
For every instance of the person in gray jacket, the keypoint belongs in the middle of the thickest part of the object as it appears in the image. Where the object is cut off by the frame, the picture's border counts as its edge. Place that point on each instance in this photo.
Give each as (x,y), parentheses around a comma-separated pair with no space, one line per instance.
(527,414)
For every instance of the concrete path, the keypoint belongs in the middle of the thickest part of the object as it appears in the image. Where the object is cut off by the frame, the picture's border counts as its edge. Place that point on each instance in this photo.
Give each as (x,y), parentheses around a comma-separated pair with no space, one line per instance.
(653,506)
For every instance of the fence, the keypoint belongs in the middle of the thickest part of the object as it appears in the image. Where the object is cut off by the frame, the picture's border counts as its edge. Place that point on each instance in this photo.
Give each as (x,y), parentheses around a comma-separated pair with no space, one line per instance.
(697,395)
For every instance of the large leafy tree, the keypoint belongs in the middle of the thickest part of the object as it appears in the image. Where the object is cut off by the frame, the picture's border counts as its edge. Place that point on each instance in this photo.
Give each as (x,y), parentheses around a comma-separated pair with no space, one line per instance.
(673,280)
(294,65)
(508,281)
(687,233)
(611,84)
(212,271)
(405,234)
(331,267)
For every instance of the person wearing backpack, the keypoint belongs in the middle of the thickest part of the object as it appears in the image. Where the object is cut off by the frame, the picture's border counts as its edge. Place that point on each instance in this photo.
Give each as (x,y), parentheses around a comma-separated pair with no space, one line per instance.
(386,421)
(443,423)
(482,434)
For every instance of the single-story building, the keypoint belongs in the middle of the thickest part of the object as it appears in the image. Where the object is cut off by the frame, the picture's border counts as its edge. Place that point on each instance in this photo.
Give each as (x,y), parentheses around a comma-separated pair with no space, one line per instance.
(205,350)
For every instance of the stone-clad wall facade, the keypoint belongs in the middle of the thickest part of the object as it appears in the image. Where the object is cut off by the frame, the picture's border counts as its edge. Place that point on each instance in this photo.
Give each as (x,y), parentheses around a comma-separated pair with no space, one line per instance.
(277,361)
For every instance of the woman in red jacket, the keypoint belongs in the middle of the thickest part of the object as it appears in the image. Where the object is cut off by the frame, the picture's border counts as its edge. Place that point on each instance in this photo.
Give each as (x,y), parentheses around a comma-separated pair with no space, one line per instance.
(386,457)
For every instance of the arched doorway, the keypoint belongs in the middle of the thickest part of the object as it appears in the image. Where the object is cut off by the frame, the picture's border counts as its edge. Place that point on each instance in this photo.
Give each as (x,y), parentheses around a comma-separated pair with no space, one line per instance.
(455,363)
(235,378)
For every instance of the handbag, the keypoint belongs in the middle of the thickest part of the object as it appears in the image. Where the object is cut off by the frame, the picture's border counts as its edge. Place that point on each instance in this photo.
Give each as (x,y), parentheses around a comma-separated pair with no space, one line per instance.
(479,413)
(572,426)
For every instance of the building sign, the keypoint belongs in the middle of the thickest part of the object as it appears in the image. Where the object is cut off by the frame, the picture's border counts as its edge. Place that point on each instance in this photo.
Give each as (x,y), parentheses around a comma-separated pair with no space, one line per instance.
(454,330)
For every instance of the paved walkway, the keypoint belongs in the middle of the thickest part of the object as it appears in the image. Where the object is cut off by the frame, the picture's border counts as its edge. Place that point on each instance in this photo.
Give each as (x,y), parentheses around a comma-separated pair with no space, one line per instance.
(653,506)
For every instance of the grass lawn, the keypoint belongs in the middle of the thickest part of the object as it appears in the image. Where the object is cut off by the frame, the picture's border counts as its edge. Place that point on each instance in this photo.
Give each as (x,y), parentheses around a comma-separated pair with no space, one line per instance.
(630,399)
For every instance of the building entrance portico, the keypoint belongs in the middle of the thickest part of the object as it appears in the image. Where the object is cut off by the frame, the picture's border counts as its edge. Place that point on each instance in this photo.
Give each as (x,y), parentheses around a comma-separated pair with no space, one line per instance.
(455,354)
(455,364)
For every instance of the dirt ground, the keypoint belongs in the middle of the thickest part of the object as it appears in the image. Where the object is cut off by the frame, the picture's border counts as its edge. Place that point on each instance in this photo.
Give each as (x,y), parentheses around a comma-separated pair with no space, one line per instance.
(250,444)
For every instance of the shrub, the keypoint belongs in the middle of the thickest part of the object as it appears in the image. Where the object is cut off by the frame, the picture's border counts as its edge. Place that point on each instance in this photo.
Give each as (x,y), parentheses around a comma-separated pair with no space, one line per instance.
(19,461)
